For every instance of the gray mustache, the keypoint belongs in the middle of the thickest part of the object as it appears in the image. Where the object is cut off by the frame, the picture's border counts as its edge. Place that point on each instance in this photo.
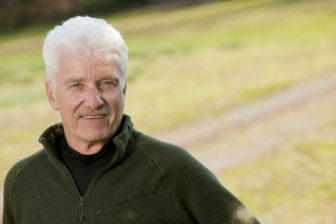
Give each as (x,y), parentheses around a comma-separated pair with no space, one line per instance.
(89,111)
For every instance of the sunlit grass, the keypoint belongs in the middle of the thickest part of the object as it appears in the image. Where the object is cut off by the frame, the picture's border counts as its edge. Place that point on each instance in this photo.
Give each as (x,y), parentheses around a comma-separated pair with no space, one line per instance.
(21,66)
(13,98)
(21,127)
(299,177)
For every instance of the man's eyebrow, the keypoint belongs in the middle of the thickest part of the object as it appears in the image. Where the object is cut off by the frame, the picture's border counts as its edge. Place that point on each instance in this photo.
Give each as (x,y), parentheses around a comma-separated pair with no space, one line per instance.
(109,78)
(73,80)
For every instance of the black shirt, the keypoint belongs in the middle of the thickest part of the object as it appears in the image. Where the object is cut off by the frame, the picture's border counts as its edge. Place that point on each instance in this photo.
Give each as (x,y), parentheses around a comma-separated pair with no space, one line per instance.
(84,167)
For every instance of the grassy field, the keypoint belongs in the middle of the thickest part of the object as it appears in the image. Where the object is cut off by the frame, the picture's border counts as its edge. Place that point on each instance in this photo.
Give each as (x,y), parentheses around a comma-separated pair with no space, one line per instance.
(294,184)
(193,62)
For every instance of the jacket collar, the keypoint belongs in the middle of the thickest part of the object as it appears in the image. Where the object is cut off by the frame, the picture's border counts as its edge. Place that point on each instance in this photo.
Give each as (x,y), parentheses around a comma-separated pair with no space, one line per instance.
(52,135)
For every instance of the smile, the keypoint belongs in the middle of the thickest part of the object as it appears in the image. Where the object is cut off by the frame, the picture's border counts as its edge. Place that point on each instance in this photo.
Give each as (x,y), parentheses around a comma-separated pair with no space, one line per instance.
(99,116)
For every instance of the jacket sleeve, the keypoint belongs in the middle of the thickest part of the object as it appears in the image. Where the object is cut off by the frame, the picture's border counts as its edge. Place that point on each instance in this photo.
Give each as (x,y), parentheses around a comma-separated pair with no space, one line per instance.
(8,215)
(202,197)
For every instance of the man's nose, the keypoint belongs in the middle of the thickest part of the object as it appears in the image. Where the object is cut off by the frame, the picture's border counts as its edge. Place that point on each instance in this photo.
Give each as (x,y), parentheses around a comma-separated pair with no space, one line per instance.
(94,98)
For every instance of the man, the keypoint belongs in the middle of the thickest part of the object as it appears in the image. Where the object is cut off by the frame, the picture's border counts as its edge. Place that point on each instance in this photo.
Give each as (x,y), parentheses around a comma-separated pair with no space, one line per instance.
(94,166)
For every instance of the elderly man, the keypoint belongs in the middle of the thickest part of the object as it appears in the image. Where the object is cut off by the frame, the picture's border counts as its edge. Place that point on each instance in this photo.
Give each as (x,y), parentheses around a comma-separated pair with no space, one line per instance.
(94,166)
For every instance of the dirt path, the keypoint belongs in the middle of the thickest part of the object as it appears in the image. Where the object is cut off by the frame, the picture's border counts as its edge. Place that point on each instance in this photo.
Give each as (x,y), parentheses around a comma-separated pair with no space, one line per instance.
(244,133)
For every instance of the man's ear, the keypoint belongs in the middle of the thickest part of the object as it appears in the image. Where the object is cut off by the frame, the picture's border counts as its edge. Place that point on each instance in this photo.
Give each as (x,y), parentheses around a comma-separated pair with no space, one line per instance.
(51,95)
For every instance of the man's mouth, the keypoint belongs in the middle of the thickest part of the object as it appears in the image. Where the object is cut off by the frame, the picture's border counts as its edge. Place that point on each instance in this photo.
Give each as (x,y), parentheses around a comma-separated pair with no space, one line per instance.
(98,116)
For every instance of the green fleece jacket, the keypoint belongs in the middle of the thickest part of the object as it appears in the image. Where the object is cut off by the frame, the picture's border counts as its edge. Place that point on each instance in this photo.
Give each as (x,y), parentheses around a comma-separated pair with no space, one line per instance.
(147,181)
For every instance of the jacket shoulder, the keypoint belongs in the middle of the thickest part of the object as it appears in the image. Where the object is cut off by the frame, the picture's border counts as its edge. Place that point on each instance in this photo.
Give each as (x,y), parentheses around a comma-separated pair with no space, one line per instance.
(21,165)
(158,149)
(170,158)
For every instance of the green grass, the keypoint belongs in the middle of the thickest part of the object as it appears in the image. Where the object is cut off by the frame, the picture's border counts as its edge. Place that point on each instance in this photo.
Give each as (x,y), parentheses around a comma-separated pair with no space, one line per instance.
(298,180)
(14,99)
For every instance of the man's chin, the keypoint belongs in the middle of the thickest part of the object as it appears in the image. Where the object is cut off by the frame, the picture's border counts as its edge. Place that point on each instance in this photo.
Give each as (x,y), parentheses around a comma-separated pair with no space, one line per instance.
(96,138)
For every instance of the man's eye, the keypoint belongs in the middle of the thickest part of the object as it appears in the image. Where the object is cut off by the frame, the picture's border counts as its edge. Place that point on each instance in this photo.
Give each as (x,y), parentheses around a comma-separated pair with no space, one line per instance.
(76,85)
(109,83)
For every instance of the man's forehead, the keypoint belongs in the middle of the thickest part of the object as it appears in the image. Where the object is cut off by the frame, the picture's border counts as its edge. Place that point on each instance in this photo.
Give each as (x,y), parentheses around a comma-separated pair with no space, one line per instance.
(77,60)
(83,76)
(66,54)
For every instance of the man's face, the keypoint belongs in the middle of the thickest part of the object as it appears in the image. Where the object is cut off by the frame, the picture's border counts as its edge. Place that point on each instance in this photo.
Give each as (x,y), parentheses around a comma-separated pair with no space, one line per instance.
(90,96)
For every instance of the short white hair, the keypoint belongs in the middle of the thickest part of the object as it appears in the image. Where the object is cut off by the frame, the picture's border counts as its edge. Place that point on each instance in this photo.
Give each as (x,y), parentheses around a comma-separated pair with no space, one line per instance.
(84,33)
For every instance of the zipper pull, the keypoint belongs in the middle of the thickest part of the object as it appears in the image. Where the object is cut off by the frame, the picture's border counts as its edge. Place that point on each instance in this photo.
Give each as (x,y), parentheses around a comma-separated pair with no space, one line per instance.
(81,209)
(99,211)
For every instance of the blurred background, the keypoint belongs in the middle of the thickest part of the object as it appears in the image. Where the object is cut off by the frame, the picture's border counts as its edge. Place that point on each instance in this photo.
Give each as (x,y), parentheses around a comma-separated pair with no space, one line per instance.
(246,86)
